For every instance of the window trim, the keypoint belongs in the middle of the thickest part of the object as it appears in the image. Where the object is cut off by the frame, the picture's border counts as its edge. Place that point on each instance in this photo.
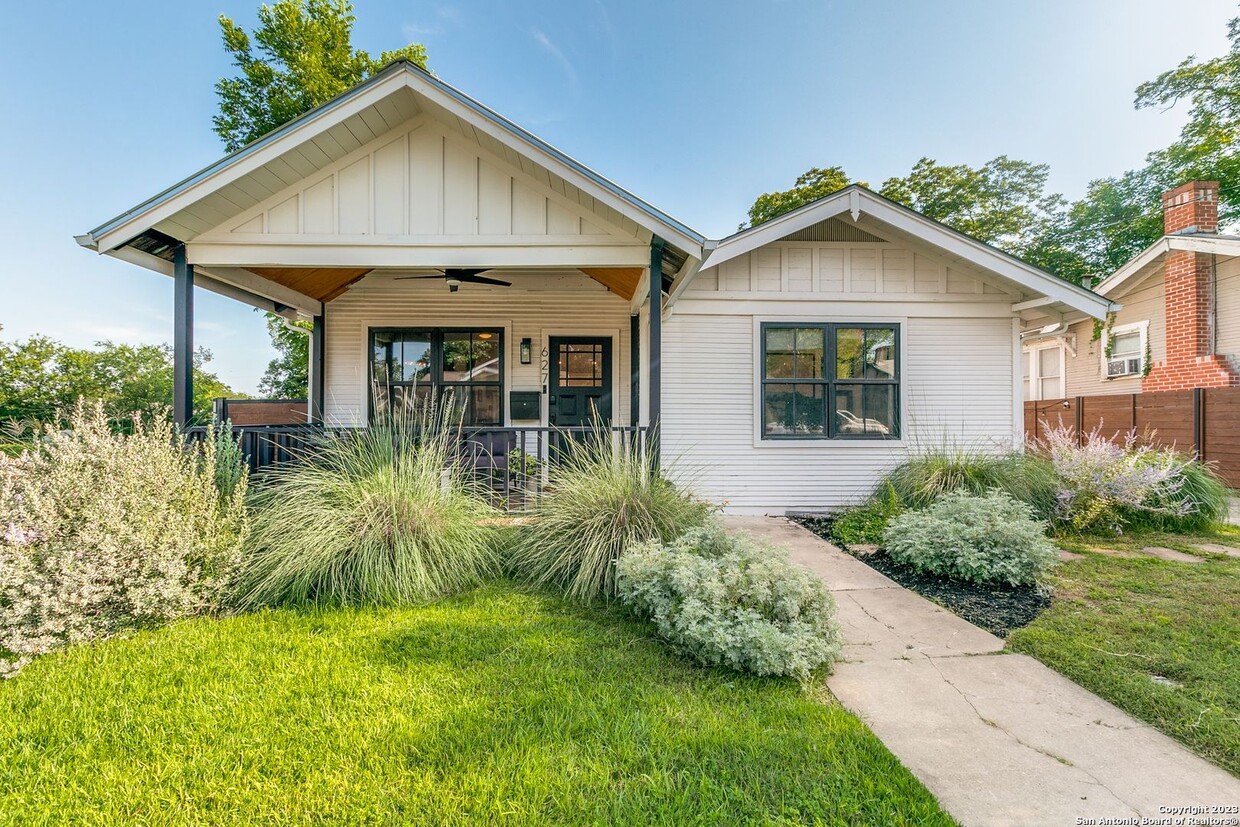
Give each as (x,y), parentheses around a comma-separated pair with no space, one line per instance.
(1035,376)
(829,327)
(1142,327)
(436,335)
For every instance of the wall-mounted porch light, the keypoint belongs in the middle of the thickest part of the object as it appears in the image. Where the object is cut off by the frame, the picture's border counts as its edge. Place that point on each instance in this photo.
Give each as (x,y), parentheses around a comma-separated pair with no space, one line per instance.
(526,347)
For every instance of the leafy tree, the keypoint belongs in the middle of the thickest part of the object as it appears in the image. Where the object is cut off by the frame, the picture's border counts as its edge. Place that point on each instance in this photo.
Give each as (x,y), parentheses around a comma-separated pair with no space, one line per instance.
(300,56)
(998,202)
(1122,215)
(288,375)
(41,378)
(1003,202)
(304,57)
(810,186)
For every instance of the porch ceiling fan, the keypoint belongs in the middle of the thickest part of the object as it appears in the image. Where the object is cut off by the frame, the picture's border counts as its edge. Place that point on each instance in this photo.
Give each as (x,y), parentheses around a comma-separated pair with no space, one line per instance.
(454,277)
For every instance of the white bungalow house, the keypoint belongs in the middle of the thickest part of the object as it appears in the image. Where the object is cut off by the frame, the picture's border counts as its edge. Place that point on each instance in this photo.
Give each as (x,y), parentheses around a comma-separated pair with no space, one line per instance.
(438,246)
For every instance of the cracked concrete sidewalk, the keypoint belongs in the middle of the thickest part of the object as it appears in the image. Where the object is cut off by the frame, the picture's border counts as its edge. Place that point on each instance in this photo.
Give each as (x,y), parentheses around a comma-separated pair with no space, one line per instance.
(999,738)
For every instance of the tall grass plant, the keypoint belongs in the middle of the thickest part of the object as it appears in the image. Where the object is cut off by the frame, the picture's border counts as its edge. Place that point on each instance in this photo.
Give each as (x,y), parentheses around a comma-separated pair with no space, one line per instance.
(604,495)
(385,515)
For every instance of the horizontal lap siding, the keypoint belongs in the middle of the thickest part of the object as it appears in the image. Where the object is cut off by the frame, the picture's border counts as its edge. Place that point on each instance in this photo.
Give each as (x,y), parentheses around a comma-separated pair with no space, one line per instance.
(1084,370)
(569,303)
(958,382)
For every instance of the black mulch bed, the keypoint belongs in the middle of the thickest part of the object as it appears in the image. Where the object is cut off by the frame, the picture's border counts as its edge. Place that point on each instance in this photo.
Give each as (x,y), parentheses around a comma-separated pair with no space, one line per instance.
(997,609)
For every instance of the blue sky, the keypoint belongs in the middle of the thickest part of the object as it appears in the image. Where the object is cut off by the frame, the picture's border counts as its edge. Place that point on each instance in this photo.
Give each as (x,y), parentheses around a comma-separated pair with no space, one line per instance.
(696,107)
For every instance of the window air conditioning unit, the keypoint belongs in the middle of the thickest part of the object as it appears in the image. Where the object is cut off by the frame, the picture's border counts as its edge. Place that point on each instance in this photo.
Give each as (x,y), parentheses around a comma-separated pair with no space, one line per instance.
(1123,367)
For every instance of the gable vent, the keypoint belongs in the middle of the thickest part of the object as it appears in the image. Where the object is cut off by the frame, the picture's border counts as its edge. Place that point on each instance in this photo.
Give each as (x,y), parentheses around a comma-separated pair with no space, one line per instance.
(832,230)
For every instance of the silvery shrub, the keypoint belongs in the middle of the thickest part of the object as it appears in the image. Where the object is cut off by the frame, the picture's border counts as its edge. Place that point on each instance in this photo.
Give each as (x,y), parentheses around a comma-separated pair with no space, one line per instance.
(731,601)
(990,538)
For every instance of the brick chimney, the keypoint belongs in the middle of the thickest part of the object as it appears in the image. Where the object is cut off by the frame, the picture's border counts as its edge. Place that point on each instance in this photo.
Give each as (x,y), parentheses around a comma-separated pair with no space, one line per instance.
(1189,293)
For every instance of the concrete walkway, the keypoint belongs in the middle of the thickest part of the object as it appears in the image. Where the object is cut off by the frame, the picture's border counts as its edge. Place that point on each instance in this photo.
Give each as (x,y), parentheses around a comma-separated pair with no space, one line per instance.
(1000,739)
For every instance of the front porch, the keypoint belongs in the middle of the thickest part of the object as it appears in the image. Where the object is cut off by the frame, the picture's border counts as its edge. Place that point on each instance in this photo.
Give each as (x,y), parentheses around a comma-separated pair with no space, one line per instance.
(436,247)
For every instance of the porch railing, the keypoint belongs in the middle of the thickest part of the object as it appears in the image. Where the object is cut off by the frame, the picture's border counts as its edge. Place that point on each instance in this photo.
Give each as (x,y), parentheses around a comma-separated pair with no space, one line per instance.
(512,463)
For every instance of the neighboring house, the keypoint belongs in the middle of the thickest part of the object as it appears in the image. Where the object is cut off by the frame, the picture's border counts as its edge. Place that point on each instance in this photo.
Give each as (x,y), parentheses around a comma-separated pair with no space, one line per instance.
(439,247)
(1178,326)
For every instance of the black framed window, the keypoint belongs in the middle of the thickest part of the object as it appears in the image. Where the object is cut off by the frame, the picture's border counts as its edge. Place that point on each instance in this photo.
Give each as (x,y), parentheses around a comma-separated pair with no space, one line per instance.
(830,381)
(412,365)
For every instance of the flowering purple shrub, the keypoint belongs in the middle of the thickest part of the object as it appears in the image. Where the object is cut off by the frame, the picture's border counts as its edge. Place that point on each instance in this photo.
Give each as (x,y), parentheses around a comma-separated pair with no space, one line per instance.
(100,532)
(1105,485)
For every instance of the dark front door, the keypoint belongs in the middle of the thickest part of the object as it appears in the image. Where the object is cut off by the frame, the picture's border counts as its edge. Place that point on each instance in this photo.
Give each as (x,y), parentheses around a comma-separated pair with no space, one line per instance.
(579,380)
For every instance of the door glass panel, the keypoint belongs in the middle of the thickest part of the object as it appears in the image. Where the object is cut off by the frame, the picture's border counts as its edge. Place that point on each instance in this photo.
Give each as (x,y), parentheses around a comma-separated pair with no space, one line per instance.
(580,365)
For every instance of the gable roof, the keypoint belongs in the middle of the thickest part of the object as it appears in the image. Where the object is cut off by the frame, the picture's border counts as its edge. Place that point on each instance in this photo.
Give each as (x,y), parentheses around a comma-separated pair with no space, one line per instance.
(1146,262)
(362,109)
(856,201)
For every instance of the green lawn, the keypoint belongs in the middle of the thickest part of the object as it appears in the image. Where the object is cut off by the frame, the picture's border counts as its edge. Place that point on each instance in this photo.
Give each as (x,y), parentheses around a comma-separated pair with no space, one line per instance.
(1116,622)
(497,707)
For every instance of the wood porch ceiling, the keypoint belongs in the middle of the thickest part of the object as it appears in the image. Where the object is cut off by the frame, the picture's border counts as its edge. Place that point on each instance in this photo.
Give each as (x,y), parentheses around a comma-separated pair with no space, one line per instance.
(321,283)
(327,283)
(622,281)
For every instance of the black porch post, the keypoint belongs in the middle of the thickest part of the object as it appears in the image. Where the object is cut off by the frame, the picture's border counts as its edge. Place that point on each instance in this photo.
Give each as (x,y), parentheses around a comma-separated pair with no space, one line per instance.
(655,345)
(182,339)
(635,370)
(315,408)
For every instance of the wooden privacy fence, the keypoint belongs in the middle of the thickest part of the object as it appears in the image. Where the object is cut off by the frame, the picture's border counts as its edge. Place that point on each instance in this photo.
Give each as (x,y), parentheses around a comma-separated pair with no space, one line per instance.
(1205,421)
(247,412)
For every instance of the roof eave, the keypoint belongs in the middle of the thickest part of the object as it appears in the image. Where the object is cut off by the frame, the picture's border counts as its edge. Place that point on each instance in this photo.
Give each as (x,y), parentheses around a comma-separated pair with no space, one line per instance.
(121,228)
(858,200)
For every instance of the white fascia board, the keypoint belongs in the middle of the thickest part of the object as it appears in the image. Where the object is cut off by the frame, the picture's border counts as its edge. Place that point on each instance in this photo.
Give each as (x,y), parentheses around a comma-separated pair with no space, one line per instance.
(229,169)
(150,262)
(1218,245)
(986,257)
(1135,265)
(226,285)
(688,274)
(785,225)
(223,172)
(434,256)
(858,201)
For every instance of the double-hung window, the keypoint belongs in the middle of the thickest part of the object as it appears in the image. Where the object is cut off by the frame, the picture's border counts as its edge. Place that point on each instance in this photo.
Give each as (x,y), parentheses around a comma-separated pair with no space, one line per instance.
(830,381)
(465,366)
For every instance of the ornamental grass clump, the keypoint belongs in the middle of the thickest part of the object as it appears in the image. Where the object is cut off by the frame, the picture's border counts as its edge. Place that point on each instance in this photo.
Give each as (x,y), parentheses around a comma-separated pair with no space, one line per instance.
(987,539)
(930,473)
(387,515)
(603,495)
(1110,486)
(101,532)
(730,601)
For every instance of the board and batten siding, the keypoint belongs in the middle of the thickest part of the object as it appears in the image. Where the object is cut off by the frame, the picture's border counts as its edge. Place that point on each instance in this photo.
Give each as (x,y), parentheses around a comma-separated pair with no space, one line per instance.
(847,269)
(959,373)
(422,181)
(537,306)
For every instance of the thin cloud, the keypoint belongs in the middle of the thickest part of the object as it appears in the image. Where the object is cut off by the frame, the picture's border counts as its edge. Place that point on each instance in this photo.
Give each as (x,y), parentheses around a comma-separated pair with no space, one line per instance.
(607,29)
(570,72)
(446,17)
